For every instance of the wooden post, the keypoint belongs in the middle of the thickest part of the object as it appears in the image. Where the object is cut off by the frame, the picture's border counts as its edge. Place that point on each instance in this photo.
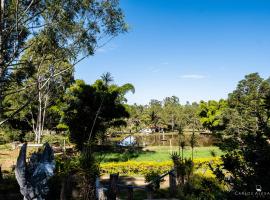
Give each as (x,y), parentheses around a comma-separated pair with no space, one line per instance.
(171,146)
(113,186)
(64,146)
(172,182)
(1,175)
(149,192)
(130,192)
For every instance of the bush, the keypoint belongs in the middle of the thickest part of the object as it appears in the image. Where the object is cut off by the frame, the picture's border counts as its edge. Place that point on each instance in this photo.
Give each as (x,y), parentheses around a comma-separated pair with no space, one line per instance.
(154,177)
(55,139)
(8,135)
(142,168)
(135,168)
(4,138)
(29,136)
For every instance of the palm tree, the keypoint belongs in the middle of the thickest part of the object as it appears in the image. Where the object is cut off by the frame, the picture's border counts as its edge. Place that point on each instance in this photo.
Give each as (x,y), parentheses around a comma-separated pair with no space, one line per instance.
(106,78)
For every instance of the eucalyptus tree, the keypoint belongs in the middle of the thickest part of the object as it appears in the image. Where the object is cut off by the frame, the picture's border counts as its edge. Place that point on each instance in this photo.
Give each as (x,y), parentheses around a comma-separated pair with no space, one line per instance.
(78,28)
(47,91)
(171,108)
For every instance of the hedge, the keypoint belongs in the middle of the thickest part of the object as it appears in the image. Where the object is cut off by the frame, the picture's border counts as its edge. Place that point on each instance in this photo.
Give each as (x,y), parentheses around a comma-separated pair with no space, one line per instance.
(141,168)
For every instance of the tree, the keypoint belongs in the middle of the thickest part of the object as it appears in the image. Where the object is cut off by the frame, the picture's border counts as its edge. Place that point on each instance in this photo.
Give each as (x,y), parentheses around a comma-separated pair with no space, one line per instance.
(191,117)
(136,113)
(245,137)
(193,142)
(83,114)
(39,99)
(210,114)
(170,109)
(78,28)
(154,112)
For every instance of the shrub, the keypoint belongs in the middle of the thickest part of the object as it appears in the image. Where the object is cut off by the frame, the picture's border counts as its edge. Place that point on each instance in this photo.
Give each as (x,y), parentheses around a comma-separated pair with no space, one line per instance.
(8,135)
(55,139)
(154,177)
(135,168)
(29,136)
(4,138)
(142,168)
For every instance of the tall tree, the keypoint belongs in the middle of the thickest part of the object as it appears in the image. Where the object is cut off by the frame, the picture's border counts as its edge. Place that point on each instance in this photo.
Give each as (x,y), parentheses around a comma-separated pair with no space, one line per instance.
(170,108)
(46,92)
(245,137)
(78,28)
(154,112)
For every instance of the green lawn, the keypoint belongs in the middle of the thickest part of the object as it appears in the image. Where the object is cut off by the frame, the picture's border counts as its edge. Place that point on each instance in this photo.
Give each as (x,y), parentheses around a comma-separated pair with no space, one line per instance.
(159,153)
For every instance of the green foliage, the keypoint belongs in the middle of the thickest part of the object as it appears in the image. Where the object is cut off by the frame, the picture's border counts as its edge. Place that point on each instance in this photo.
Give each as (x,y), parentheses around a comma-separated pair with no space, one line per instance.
(154,178)
(245,137)
(8,135)
(55,139)
(168,114)
(202,188)
(64,165)
(193,185)
(211,114)
(90,109)
(29,137)
(43,40)
(183,167)
(132,168)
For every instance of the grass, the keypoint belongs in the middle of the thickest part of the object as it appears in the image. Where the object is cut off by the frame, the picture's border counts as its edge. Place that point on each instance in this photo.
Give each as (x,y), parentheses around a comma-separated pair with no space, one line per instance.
(159,153)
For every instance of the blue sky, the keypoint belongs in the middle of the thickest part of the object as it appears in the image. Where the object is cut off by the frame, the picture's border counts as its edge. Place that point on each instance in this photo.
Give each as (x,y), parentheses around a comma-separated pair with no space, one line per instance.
(193,49)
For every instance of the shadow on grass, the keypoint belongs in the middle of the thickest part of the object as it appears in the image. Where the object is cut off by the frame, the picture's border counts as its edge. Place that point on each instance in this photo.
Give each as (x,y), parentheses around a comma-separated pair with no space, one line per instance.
(122,191)
(111,153)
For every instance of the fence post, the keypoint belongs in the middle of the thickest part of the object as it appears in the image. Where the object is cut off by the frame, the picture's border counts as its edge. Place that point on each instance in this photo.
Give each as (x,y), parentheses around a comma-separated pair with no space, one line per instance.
(113,186)
(64,146)
(130,192)
(149,192)
(172,182)
(1,175)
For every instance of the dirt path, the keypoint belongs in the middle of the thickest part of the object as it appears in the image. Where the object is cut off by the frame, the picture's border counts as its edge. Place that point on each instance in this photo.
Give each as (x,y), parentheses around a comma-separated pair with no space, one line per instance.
(135,181)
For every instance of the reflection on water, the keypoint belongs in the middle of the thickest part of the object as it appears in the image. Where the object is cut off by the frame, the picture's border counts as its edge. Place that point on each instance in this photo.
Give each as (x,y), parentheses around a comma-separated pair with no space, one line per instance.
(128,141)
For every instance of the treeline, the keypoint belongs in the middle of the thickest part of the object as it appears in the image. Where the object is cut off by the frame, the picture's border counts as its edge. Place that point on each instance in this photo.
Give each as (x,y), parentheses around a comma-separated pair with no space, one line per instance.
(166,115)
(170,115)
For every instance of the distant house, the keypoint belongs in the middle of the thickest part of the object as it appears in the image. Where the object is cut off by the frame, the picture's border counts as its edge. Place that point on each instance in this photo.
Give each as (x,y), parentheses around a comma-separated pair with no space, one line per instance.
(146,130)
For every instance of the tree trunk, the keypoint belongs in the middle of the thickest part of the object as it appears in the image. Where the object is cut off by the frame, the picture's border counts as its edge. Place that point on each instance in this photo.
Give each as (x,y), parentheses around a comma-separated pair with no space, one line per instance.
(2,7)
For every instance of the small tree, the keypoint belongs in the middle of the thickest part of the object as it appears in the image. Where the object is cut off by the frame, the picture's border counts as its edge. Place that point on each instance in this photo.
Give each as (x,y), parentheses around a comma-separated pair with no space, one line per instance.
(193,142)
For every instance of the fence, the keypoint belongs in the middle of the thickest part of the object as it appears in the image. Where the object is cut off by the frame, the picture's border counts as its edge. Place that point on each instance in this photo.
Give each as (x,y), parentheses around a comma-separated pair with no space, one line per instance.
(113,187)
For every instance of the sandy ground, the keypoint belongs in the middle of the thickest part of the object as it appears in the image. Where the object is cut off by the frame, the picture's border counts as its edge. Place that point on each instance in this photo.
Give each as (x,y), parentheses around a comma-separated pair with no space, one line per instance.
(8,158)
(135,181)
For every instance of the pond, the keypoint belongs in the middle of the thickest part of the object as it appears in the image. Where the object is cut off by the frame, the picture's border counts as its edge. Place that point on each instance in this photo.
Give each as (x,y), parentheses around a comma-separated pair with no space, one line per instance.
(159,139)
